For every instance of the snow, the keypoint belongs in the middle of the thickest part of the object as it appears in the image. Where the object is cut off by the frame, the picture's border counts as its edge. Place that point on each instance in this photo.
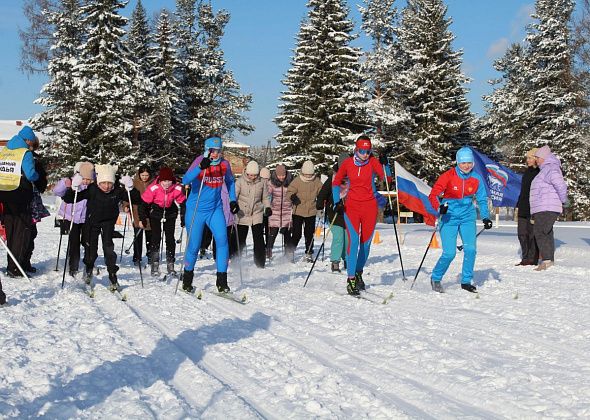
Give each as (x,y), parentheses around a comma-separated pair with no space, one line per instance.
(294,352)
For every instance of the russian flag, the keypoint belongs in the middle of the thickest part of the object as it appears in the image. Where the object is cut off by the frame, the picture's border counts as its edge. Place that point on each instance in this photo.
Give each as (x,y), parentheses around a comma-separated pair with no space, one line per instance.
(413,193)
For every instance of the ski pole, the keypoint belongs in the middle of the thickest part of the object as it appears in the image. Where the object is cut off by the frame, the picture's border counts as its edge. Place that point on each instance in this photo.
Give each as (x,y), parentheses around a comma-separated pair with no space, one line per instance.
(427,248)
(123,242)
(63,278)
(138,232)
(9,252)
(59,246)
(460,247)
(128,250)
(189,232)
(394,226)
(324,240)
(320,250)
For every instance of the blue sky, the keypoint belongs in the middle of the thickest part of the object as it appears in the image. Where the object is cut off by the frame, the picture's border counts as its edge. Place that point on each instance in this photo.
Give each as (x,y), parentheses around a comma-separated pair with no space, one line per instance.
(258,45)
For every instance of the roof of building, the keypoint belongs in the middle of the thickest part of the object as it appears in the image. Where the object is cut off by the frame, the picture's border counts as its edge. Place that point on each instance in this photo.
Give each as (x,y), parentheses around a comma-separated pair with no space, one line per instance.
(230,144)
(10,128)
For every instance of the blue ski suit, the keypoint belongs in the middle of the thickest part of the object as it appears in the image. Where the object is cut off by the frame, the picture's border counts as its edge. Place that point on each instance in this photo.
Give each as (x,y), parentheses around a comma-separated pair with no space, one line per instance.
(458,189)
(205,205)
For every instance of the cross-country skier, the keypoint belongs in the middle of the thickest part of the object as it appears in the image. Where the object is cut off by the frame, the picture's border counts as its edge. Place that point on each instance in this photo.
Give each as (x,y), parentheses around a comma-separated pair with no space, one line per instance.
(452,195)
(281,207)
(161,201)
(206,175)
(360,207)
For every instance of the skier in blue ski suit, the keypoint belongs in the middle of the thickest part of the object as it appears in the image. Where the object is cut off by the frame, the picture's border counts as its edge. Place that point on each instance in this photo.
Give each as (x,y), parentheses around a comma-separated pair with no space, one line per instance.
(457,187)
(206,176)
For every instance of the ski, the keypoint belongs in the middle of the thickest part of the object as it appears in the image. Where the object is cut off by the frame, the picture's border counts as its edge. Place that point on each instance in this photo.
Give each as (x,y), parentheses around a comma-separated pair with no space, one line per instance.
(89,289)
(233,297)
(117,291)
(384,300)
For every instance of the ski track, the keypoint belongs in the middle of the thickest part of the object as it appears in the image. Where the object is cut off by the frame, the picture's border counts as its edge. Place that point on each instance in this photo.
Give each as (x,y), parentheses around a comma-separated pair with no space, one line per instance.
(300,353)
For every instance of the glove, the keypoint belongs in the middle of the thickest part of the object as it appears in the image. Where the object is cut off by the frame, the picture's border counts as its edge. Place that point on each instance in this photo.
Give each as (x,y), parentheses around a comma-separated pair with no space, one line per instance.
(339,207)
(567,204)
(444,208)
(487,223)
(381,201)
(127,181)
(205,163)
(383,159)
(268,212)
(295,200)
(233,207)
(76,182)
(283,230)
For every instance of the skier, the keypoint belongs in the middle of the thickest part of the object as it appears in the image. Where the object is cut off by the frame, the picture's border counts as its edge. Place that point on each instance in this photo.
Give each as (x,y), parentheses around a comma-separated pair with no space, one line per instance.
(528,245)
(141,181)
(161,201)
(252,197)
(452,196)
(280,219)
(360,207)
(265,176)
(102,213)
(326,201)
(78,235)
(206,175)
(303,192)
(548,198)
(16,194)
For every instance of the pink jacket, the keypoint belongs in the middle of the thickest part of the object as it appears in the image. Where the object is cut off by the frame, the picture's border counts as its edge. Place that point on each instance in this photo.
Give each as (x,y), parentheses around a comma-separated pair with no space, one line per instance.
(280,203)
(156,194)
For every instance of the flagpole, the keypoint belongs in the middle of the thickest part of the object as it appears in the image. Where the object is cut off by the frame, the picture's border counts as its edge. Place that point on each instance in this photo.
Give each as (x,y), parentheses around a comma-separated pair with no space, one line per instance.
(399,220)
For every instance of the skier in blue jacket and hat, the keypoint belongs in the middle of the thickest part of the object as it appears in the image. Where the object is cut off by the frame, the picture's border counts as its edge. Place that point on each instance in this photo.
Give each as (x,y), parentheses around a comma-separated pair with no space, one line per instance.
(452,195)
(206,175)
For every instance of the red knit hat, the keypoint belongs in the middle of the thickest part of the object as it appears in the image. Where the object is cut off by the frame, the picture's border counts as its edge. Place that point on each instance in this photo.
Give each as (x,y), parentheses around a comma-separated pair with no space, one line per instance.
(363,142)
(166,174)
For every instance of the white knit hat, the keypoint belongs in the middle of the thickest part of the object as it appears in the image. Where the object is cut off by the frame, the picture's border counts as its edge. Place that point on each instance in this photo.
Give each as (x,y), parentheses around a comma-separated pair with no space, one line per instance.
(252,168)
(105,173)
(308,168)
(265,173)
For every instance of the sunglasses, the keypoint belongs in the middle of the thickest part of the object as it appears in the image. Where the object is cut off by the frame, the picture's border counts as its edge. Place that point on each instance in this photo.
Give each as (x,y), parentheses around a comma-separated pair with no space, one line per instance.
(364,151)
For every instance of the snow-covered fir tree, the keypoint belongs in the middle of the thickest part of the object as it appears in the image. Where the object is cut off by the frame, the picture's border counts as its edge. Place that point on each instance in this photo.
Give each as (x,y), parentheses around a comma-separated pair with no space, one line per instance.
(138,47)
(321,111)
(431,87)
(165,117)
(105,82)
(380,68)
(60,95)
(557,102)
(210,95)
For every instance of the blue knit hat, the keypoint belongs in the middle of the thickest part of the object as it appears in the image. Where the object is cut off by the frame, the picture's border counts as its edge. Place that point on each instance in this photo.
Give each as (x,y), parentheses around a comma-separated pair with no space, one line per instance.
(27,133)
(465,155)
(213,143)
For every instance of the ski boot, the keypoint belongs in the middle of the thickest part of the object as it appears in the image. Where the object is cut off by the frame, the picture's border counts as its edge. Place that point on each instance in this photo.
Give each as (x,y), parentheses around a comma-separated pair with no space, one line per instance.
(221,283)
(187,281)
(308,257)
(88,274)
(114,283)
(202,253)
(170,268)
(155,271)
(336,267)
(469,287)
(136,261)
(360,284)
(2,297)
(269,254)
(436,286)
(29,269)
(351,287)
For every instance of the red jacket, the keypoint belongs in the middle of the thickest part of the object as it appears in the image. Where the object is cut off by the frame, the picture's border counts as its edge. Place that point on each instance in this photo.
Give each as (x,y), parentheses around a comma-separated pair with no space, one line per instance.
(360,178)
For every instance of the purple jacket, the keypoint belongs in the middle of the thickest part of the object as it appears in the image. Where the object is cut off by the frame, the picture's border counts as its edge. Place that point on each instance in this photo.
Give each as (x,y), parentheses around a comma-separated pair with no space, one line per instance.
(548,189)
(229,217)
(65,210)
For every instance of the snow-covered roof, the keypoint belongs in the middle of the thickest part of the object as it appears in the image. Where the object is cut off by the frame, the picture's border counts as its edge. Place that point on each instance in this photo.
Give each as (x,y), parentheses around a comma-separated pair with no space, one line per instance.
(10,128)
(235,145)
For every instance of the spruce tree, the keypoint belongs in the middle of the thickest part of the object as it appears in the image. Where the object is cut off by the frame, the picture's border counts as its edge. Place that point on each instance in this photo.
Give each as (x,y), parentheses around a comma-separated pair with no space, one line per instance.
(106,78)
(321,111)
(431,89)
(60,95)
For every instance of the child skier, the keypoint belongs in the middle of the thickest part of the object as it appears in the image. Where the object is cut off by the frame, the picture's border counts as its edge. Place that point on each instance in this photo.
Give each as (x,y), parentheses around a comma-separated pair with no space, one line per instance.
(102,213)
(281,207)
(77,233)
(161,201)
(141,181)
(452,195)
(303,192)
(360,209)
(206,175)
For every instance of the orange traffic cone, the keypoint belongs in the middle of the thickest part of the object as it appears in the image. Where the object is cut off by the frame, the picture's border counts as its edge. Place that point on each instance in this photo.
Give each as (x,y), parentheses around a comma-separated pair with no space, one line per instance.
(377,238)
(434,242)
(318,231)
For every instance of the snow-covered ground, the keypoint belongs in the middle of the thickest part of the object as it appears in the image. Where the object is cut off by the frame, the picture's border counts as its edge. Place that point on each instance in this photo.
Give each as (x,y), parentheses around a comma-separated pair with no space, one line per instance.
(520,350)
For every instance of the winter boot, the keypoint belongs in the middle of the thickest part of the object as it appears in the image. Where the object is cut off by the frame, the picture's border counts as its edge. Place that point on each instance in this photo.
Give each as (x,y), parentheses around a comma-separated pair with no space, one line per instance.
(170,268)
(269,254)
(88,274)
(335,266)
(114,283)
(351,287)
(221,283)
(155,265)
(187,280)
(360,284)
(436,286)
(469,287)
